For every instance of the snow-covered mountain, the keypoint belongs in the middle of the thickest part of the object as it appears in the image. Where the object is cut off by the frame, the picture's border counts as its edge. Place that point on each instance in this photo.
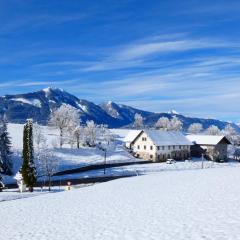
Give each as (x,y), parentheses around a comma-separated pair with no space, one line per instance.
(122,113)
(126,115)
(38,105)
(173,112)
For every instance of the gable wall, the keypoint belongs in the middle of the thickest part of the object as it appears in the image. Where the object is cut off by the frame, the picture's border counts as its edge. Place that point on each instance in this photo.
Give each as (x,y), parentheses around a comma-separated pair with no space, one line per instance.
(144,153)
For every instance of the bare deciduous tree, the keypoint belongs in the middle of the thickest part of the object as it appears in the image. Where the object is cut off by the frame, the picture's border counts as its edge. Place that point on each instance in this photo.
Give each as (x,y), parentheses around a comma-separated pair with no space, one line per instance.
(90,133)
(213,130)
(231,134)
(63,118)
(138,121)
(47,165)
(162,123)
(195,128)
(175,124)
(38,136)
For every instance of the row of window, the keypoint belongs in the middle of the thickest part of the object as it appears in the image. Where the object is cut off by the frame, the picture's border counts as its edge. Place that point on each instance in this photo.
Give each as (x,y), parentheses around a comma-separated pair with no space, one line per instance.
(173,147)
(165,147)
(165,156)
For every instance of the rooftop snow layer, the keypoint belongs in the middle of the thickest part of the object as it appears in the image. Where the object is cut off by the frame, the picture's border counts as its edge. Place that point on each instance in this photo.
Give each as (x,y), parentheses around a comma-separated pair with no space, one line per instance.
(164,138)
(132,134)
(205,139)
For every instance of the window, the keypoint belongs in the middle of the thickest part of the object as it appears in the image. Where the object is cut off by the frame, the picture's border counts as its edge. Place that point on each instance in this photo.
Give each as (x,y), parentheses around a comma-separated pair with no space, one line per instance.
(144,147)
(151,147)
(158,148)
(151,156)
(162,147)
(138,147)
(173,147)
(169,147)
(180,147)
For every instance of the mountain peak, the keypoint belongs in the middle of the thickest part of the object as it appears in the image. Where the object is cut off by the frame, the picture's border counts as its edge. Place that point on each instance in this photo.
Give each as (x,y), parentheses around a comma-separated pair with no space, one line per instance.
(173,112)
(52,89)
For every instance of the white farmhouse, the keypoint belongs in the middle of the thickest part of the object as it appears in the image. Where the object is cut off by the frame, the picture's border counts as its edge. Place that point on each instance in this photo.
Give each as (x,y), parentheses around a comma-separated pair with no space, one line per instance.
(158,145)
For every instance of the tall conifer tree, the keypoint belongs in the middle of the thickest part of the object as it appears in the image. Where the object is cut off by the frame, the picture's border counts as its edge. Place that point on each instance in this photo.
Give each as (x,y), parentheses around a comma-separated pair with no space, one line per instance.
(28,169)
(5,149)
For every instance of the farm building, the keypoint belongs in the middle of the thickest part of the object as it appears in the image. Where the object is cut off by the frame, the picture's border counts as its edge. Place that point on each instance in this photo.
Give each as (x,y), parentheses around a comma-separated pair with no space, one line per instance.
(158,145)
(213,147)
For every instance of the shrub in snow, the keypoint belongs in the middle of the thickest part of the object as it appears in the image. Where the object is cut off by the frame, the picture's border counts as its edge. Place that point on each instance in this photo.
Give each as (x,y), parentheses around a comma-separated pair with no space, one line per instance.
(28,169)
(20,182)
(213,154)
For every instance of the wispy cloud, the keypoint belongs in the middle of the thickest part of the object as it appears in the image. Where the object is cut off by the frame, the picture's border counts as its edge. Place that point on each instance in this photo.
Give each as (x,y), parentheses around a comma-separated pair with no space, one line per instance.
(143,53)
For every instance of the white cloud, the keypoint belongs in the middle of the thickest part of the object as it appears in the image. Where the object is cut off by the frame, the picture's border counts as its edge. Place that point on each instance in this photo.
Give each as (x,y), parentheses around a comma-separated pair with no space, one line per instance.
(143,53)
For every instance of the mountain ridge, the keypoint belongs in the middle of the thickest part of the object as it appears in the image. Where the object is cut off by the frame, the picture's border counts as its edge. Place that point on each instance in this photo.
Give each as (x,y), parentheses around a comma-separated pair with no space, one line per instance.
(38,105)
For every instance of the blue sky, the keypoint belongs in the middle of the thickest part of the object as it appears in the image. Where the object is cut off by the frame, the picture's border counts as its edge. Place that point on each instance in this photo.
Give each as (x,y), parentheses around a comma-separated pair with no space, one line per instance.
(154,55)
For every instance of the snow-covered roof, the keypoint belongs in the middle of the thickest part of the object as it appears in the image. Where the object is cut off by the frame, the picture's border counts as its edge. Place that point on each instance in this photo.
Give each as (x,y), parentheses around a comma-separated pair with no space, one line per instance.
(205,139)
(166,138)
(132,134)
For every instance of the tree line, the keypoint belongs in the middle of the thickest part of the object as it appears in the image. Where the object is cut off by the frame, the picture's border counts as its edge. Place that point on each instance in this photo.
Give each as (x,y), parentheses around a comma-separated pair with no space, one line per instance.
(175,124)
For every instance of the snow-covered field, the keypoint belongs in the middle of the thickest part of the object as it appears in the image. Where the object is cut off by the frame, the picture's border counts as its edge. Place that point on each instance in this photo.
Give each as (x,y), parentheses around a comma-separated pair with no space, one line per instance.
(70,157)
(191,204)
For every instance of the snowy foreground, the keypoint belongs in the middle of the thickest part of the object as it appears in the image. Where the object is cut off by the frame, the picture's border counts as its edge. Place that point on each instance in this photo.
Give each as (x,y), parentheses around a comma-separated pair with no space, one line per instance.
(191,204)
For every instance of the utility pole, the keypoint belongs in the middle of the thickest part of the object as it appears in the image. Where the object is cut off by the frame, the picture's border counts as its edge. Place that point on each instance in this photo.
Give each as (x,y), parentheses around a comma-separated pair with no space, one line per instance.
(105,160)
